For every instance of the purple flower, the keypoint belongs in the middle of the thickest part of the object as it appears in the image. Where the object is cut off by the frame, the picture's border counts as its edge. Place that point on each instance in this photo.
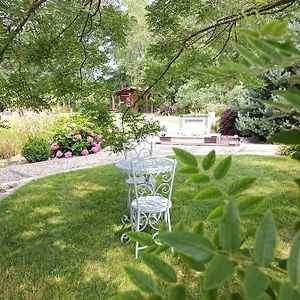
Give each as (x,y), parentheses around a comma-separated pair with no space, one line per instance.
(92,134)
(89,139)
(99,138)
(84,152)
(78,136)
(54,147)
(94,144)
(95,149)
(59,154)
(68,154)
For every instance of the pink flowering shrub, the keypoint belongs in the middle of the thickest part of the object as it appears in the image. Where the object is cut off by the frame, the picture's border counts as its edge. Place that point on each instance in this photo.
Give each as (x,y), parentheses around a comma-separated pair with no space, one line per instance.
(75,135)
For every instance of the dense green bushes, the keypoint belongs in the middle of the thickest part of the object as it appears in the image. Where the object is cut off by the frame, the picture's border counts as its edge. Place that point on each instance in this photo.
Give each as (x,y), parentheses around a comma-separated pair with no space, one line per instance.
(191,98)
(36,149)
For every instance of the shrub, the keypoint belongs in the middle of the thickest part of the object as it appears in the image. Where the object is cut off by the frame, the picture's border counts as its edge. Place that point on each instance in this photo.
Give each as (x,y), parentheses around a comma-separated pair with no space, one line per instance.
(195,99)
(290,150)
(167,109)
(36,149)
(254,117)
(227,123)
(75,135)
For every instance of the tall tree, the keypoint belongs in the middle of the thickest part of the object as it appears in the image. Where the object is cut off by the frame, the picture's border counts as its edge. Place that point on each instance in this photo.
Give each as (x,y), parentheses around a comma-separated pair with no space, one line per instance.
(57,49)
(192,34)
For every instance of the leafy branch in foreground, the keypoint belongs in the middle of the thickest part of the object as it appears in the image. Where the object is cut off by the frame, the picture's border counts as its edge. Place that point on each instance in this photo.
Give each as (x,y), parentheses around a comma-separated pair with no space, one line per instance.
(233,252)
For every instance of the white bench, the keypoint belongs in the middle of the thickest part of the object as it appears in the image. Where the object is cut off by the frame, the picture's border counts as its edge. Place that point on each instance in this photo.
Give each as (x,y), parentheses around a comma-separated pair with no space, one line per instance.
(204,121)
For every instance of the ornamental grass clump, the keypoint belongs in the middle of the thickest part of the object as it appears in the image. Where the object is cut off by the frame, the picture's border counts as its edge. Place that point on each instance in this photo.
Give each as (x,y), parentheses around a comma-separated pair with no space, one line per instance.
(75,135)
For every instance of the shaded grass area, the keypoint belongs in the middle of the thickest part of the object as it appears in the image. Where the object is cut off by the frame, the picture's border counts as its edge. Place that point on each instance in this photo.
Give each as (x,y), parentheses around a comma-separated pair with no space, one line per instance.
(59,236)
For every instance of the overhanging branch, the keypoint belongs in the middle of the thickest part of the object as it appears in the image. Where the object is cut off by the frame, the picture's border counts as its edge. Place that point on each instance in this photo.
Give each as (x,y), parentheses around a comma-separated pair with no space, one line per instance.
(13,33)
(270,8)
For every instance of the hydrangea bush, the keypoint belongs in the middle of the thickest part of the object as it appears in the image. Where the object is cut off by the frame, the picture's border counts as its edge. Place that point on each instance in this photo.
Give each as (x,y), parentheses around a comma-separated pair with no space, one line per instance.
(75,135)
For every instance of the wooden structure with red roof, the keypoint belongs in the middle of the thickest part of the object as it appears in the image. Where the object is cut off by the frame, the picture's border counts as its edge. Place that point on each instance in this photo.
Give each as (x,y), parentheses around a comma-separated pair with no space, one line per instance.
(127,97)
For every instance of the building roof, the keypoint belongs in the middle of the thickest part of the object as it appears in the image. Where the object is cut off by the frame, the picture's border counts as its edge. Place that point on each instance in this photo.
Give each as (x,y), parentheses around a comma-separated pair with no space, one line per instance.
(127,89)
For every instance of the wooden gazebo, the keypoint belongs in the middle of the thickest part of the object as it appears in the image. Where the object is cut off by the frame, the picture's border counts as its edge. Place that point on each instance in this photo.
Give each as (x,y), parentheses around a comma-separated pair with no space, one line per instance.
(127,97)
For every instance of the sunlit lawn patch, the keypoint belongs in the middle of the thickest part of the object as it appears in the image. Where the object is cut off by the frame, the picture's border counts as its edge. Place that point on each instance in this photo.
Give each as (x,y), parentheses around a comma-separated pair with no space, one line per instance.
(59,236)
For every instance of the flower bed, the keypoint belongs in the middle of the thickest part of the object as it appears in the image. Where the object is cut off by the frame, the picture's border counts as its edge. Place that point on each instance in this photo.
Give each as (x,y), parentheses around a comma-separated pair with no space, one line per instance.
(75,135)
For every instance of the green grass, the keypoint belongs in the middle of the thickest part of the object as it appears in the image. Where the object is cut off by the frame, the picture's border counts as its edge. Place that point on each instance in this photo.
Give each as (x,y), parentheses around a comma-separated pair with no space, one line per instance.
(59,236)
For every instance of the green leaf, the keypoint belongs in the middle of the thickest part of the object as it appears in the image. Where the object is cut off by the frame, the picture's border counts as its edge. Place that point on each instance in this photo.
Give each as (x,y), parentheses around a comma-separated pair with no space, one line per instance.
(287,292)
(249,203)
(155,297)
(141,279)
(198,178)
(189,244)
(296,155)
(297,181)
(163,226)
(276,104)
(192,264)
(265,240)
(231,66)
(187,170)
(230,233)
(209,160)
(128,295)
(282,264)
(160,249)
(274,28)
(255,283)
(292,95)
(287,48)
(293,264)
(294,79)
(177,293)
(289,137)
(141,237)
(179,226)
(222,168)
(237,186)
(236,296)
(219,269)
(211,72)
(250,57)
(215,238)
(159,268)
(185,157)
(297,226)
(216,214)
(199,228)
(265,48)
(151,249)
(210,192)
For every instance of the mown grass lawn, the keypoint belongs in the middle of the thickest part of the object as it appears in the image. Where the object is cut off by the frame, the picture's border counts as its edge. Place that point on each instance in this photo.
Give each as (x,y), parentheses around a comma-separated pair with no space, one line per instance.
(59,236)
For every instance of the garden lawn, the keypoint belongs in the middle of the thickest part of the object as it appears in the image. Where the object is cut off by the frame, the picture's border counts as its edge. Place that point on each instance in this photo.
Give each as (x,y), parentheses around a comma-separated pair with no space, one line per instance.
(59,236)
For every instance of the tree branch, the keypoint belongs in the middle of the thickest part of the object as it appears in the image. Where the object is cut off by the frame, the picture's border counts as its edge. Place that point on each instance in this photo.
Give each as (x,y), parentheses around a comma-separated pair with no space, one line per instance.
(226,41)
(34,6)
(270,8)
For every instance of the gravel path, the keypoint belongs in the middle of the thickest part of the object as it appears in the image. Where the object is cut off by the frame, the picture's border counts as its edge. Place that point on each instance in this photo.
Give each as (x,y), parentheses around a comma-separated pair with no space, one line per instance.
(12,177)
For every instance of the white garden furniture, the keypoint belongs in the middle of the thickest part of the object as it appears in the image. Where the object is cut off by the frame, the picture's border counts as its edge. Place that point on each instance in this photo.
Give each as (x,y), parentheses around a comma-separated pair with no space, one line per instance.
(152,202)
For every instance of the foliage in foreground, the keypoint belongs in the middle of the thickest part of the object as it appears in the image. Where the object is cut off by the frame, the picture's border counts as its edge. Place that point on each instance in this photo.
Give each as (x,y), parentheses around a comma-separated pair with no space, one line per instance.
(233,253)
